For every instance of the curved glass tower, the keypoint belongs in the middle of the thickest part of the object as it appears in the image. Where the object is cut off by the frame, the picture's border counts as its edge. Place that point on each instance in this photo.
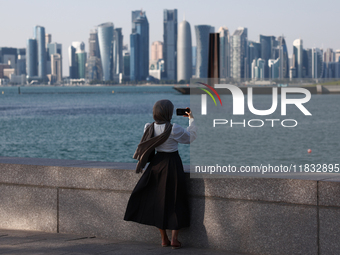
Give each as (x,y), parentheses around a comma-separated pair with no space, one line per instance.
(105,40)
(184,51)
(202,42)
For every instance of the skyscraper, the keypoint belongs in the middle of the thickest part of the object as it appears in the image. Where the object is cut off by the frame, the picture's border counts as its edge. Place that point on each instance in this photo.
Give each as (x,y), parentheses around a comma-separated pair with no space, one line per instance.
(32,58)
(170,44)
(254,53)
(118,62)
(156,50)
(105,39)
(81,61)
(73,63)
(298,57)
(267,51)
(139,46)
(317,64)
(202,42)
(184,50)
(239,53)
(274,68)
(40,37)
(284,71)
(257,68)
(94,68)
(328,56)
(224,52)
(56,66)
(53,48)
(93,44)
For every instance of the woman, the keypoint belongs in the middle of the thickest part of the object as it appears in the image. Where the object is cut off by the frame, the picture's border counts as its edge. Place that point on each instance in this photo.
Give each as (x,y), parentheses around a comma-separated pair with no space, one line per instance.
(160,196)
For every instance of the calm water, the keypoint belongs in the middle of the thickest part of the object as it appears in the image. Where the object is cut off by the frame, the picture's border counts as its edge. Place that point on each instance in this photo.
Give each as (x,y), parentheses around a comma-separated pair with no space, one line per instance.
(84,123)
(92,123)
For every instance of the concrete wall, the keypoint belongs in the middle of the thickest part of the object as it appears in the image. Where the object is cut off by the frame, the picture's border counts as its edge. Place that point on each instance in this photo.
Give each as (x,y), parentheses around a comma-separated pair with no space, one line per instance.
(273,214)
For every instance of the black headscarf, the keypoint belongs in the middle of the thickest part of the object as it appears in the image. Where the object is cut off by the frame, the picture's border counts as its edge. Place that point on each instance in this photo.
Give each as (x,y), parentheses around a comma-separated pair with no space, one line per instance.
(162,114)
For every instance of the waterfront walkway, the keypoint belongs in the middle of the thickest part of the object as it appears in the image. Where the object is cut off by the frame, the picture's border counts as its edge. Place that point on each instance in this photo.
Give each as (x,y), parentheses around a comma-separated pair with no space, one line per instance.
(20,242)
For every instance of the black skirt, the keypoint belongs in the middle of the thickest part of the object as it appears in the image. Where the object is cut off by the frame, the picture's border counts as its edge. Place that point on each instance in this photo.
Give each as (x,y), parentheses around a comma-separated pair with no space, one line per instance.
(160,196)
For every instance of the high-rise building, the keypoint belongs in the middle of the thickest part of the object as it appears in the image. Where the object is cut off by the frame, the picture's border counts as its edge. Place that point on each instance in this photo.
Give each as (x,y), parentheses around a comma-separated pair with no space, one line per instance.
(202,42)
(170,44)
(267,51)
(105,39)
(184,52)
(156,50)
(15,58)
(254,53)
(48,39)
(224,52)
(298,57)
(93,44)
(284,58)
(118,62)
(53,48)
(41,46)
(56,66)
(139,47)
(317,64)
(73,63)
(274,68)
(194,60)
(238,54)
(328,56)
(257,68)
(126,74)
(337,56)
(31,58)
(81,57)
(94,68)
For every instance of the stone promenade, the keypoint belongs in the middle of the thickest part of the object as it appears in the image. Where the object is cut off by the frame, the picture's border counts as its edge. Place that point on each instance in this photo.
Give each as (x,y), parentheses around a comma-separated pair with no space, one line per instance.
(21,242)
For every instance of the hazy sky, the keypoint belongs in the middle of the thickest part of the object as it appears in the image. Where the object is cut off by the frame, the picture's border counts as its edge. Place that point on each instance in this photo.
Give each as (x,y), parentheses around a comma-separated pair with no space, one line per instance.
(314,21)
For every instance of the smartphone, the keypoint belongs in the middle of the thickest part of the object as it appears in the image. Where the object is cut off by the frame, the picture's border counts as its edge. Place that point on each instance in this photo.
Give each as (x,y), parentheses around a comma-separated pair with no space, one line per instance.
(181,111)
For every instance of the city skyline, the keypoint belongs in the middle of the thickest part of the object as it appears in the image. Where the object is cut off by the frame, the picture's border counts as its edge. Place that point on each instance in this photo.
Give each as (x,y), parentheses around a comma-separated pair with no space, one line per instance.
(260,18)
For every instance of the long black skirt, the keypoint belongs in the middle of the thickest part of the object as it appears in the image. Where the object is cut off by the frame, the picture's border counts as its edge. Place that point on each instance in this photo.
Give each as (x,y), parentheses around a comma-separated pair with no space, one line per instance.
(160,196)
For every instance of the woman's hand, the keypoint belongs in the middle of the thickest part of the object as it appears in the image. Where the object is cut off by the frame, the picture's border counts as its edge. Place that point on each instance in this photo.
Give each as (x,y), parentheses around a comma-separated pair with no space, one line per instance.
(189,114)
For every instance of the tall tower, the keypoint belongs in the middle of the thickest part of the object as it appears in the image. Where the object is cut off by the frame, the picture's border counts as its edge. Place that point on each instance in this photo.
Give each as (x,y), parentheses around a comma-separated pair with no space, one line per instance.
(267,48)
(93,44)
(118,52)
(31,58)
(139,47)
(81,60)
(238,54)
(170,44)
(184,52)
(285,59)
(39,34)
(156,50)
(298,57)
(73,62)
(202,42)
(224,52)
(317,64)
(105,39)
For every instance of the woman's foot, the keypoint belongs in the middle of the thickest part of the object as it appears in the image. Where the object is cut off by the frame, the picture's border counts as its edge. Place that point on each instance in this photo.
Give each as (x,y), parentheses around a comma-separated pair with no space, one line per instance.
(176,244)
(166,243)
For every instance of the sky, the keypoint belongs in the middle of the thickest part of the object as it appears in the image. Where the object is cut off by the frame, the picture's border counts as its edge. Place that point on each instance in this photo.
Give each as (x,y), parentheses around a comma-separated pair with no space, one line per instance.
(314,21)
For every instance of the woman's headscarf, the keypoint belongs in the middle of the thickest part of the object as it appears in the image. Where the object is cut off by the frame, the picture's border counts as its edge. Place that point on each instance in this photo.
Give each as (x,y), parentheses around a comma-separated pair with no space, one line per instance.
(162,114)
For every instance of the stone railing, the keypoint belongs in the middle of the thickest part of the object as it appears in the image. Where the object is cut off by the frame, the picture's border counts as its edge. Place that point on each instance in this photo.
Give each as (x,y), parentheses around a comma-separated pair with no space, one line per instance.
(268,214)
